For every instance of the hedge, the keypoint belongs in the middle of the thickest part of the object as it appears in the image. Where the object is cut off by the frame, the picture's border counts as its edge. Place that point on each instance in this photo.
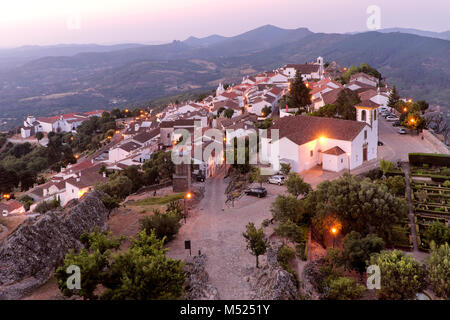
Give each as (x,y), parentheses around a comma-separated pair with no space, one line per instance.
(429,158)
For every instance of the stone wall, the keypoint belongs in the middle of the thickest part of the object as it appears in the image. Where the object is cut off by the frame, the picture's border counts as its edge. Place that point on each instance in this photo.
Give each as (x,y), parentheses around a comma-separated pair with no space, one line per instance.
(271,282)
(197,286)
(438,144)
(31,254)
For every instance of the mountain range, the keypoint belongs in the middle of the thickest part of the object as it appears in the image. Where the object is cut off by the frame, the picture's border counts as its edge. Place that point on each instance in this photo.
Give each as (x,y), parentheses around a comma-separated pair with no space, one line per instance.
(108,76)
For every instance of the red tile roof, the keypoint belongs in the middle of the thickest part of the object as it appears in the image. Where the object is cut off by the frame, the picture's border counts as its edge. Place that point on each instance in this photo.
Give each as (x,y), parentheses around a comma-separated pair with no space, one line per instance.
(335,151)
(302,129)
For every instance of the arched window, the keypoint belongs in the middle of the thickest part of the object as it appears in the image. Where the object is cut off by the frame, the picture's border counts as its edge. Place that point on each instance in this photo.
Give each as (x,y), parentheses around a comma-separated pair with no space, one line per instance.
(363,115)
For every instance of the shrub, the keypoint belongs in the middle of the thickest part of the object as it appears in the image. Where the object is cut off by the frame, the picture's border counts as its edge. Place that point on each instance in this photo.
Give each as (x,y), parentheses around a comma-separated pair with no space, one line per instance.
(165,225)
(45,206)
(343,288)
(285,255)
(301,250)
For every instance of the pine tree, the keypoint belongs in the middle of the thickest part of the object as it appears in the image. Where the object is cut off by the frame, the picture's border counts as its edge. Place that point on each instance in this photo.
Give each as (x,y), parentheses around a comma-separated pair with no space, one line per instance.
(393,98)
(299,94)
(256,241)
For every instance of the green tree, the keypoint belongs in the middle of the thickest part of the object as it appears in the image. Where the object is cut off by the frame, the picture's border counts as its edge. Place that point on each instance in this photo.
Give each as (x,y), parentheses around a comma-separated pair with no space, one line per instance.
(291,231)
(118,185)
(228,113)
(256,241)
(438,232)
(296,186)
(357,250)
(422,105)
(359,204)
(165,225)
(345,104)
(343,288)
(396,185)
(285,168)
(401,275)
(386,166)
(39,135)
(287,208)
(266,111)
(438,267)
(160,163)
(299,94)
(394,98)
(327,111)
(111,203)
(93,260)
(256,176)
(144,272)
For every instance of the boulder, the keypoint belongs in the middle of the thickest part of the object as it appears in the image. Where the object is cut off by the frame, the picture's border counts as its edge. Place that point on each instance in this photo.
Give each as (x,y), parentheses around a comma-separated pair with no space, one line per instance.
(196,286)
(271,282)
(31,254)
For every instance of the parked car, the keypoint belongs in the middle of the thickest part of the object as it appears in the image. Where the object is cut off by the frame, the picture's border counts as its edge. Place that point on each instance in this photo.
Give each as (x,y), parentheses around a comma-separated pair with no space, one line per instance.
(256,191)
(396,124)
(277,179)
(402,131)
(380,143)
(392,118)
(200,177)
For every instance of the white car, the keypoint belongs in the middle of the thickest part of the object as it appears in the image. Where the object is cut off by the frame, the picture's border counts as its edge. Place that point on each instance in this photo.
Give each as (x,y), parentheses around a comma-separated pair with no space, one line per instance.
(392,118)
(402,131)
(279,180)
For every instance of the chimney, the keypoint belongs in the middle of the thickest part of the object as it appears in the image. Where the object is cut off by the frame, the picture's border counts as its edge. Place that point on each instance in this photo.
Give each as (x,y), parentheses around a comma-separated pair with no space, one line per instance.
(78,179)
(104,174)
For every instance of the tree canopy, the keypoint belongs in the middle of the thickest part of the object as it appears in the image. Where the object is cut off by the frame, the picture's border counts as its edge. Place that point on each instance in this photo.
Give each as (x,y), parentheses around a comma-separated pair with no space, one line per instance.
(401,275)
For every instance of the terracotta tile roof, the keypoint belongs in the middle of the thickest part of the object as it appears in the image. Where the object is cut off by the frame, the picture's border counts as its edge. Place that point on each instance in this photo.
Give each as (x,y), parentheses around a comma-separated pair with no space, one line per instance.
(304,68)
(368,104)
(368,94)
(87,179)
(10,205)
(129,146)
(177,123)
(330,97)
(335,151)
(146,136)
(302,129)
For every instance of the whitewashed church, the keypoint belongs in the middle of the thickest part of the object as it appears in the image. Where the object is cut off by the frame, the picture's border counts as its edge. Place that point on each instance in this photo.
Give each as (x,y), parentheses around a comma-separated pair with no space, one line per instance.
(335,144)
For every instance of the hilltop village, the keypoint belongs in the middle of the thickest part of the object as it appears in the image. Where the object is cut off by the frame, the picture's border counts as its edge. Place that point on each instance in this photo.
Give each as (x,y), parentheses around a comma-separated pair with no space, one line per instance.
(340,163)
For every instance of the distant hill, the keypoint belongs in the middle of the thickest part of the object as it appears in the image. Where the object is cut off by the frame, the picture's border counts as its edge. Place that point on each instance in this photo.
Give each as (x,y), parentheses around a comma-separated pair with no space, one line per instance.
(439,35)
(16,56)
(417,65)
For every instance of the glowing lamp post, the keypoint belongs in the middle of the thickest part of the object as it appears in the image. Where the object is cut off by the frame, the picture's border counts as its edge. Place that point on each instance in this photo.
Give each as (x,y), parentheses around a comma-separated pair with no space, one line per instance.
(334,232)
(187,197)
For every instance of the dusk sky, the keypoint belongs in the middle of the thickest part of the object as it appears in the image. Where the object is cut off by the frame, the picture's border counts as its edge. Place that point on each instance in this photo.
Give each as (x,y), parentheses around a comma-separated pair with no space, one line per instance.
(46,22)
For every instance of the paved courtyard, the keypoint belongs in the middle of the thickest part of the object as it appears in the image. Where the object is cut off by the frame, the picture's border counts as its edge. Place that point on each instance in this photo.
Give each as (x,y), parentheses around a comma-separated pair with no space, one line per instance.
(216,230)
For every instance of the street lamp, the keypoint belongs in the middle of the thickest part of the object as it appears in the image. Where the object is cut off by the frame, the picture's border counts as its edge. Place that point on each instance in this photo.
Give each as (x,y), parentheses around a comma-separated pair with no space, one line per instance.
(187,196)
(334,232)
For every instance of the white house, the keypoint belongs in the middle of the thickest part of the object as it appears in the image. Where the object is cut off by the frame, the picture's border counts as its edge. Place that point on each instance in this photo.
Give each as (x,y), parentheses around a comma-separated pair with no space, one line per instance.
(336,144)
(122,151)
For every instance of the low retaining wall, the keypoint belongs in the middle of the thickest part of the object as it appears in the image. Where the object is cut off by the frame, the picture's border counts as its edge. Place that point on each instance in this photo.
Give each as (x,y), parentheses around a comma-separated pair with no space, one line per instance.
(438,144)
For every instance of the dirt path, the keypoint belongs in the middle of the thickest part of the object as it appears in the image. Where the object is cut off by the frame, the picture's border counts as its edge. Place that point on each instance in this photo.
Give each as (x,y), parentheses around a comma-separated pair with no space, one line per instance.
(216,230)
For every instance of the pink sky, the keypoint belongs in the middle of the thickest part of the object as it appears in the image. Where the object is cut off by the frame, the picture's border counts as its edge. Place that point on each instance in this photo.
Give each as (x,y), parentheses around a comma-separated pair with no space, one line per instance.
(44,22)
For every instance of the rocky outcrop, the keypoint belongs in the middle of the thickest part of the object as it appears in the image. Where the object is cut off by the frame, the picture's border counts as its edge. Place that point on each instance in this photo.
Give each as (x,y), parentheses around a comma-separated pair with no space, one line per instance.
(271,282)
(30,255)
(196,286)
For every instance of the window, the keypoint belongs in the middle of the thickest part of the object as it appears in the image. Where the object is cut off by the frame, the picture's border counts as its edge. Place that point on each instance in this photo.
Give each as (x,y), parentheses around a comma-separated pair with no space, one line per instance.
(374,115)
(342,160)
(363,115)
(311,153)
(365,134)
